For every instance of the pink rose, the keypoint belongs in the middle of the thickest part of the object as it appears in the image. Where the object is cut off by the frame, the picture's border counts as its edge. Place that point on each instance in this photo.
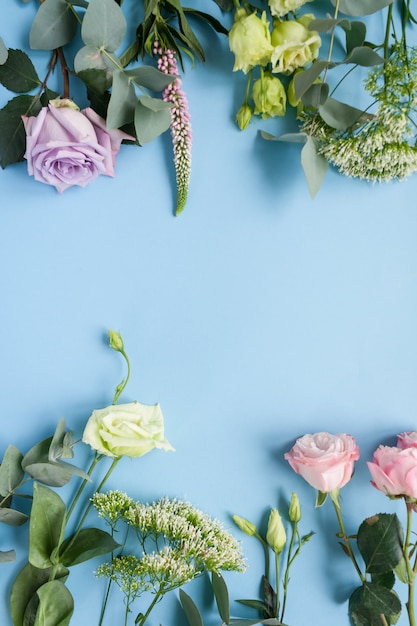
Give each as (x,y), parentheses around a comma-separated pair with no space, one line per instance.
(325,461)
(407,440)
(66,146)
(394,471)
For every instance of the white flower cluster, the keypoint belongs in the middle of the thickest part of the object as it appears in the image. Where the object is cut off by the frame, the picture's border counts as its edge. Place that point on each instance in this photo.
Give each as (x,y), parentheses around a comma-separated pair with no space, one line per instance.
(176,543)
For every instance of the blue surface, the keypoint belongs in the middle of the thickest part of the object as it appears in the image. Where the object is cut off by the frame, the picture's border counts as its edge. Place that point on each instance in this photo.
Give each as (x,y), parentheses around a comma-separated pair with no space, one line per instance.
(254,317)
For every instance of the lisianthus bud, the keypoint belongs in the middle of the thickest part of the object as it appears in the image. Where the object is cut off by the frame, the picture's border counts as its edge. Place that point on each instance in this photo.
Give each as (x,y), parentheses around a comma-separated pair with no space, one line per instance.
(245,525)
(295,509)
(276,536)
(116,341)
(269,96)
(244,116)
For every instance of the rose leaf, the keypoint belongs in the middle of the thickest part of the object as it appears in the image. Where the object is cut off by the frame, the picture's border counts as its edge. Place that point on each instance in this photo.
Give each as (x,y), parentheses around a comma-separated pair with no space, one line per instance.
(12,132)
(18,73)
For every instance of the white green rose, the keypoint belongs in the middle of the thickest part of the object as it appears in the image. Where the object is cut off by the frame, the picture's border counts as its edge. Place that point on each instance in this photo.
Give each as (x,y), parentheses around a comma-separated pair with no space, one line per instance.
(131,429)
(279,8)
(294,45)
(269,96)
(250,41)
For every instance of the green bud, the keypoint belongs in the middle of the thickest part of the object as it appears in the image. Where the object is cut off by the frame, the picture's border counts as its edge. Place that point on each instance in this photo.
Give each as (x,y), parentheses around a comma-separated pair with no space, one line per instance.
(245,525)
(276,536)
(295,509)
(116,341)
(244,116)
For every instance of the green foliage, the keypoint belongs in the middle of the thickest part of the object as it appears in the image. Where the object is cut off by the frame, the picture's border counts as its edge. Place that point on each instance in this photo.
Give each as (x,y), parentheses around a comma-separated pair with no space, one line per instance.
(222,596)
(380,542)
(54,25)
(190,609)
(17,73)
(85,545)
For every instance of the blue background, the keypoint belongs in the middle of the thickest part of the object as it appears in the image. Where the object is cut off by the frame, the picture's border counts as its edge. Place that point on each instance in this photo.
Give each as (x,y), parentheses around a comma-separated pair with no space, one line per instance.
(256,316)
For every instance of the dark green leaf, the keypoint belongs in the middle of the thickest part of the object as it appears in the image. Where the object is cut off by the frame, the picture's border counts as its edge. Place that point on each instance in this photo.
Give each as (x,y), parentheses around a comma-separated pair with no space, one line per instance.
(222,596)
(54,25)
(212,21)
(315,168)
(339,115)
(225,5)
(47,524)
(56,604)
(3,52)
(11,472)
(12,132)
(258,605)
(89,543)
(369,602)
(23,593)
(150,78)
(270,598)
(18,73)
(151,118)
(271,621)
(190,609)
(359,7)
(186,30)
(7,557)
(48,95)
(385,580)
(121,109)
(380,542)
(98,80)
(364,56)
(12,517)
(104,25)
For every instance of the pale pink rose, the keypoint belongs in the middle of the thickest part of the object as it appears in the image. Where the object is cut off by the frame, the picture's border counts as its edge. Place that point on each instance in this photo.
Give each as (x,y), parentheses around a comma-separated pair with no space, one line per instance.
(66,147)
(394,471)
(407,440)
(325,461)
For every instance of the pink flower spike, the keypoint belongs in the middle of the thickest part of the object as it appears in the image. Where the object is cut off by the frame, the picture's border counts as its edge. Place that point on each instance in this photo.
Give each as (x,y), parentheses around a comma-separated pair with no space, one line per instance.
(180,124)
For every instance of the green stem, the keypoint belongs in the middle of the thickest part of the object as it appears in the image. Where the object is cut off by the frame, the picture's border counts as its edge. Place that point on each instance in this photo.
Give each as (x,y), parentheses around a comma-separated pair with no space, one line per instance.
(335,499)
(94,462)
(266,553)
(122,386)
(140,621)
(410,572)
(278,580)
(290,559)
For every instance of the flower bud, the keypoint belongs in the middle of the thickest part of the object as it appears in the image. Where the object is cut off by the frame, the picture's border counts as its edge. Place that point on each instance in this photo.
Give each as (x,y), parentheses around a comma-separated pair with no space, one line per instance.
(295,509)
(269,96)
(245,525)
(244,116)
(116,341)
(276,536)
(60,103)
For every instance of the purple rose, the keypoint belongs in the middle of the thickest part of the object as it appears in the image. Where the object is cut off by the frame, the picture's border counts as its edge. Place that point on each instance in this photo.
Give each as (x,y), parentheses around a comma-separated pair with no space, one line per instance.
(66,146)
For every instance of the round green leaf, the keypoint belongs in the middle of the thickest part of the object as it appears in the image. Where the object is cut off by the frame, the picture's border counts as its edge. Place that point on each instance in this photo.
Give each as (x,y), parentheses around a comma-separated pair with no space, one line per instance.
(54,25)
(104,25)
(380,542)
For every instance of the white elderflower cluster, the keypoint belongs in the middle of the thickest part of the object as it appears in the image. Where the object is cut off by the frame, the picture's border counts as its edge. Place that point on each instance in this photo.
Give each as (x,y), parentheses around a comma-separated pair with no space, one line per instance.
(199,538)
(383,148)
(112,506)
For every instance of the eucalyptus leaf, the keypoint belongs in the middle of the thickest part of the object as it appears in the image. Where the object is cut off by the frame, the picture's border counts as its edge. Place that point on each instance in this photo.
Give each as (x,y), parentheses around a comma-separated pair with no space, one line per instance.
(50,474)
(121,109)
(98,80)
(23,593)
(289,137)
(3,52)
(18,73)
(54,25)
(12,132)
(89,543)
(104,25)
(12,517)
(339,115)
(221,595)
(380,542)
(56,604)
(47,525)
(303,80)
(151,118)
(56,447)
(190,609)
(315,167)
(316,95)
(364,56)
(355,36)
(92,58)
(39,453)
(359,7)
(11,472)
(7,557)
(150,78)
(270,621)
(323,25)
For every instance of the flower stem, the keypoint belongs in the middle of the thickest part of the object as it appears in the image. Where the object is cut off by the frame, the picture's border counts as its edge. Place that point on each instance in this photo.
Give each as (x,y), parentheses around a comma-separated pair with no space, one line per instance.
(141,619)
(334,495)
(411,574)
